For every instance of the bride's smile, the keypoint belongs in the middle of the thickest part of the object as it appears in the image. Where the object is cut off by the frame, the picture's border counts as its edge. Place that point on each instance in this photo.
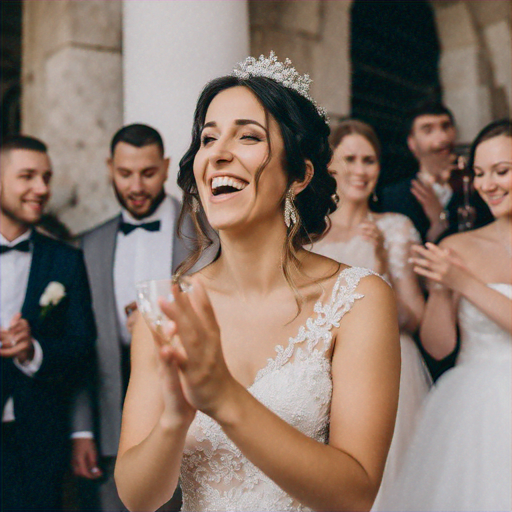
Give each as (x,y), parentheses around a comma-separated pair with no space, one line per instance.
(238,168)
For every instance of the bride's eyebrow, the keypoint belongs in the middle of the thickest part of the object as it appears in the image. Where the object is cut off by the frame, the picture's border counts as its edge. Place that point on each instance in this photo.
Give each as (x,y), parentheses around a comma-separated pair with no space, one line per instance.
(245,122)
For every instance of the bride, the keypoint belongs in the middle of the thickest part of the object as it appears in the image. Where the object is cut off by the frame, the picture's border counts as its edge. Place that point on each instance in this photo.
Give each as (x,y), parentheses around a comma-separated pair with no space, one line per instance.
(381,242)
(279,387)
(460,458)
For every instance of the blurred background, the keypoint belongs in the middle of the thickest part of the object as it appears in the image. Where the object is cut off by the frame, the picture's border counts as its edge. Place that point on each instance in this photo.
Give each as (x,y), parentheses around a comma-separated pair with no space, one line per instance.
(73,72)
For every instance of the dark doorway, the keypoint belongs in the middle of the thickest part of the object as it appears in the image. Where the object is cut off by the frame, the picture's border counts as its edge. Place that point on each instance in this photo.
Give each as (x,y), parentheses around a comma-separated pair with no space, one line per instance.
(10,66)
(395,55)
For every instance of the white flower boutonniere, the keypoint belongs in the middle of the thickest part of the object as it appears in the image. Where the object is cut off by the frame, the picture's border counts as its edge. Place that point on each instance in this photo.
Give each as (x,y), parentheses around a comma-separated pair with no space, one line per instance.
(51,296)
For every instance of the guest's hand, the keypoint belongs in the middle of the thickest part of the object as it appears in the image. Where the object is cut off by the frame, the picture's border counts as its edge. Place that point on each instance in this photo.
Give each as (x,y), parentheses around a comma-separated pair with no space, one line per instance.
(425,195)
(440,265)
(369,230)
(131,320)
(84,459)
(17,340)
(203,374)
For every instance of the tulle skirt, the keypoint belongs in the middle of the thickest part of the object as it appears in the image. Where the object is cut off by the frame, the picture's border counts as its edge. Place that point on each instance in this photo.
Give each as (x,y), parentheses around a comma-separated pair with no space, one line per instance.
(415,383)
(461,455)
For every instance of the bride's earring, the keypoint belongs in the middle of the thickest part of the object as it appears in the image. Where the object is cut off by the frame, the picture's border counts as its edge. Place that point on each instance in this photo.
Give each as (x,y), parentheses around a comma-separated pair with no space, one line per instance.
(290,211)
(196,207)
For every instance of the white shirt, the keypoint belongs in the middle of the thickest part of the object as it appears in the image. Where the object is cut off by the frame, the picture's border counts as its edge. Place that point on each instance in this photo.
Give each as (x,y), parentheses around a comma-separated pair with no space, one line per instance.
(443,191)
(142,255)
(14,272)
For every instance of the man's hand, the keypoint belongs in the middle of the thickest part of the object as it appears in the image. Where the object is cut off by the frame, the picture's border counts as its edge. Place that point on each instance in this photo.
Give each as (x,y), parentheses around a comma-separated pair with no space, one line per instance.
(84,459)
(17,340)
(425,195)
(131,320)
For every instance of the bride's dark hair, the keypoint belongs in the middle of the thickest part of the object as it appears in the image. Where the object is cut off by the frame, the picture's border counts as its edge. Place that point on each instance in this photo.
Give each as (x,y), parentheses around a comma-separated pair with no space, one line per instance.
(305,135)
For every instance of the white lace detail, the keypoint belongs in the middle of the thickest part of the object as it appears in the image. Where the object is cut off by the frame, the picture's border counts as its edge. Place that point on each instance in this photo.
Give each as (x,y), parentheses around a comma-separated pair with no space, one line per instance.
(399,234)
(296,385)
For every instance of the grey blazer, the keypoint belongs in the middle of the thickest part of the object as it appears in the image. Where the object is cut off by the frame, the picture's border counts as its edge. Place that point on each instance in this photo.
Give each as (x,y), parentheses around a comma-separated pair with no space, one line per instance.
(99,248)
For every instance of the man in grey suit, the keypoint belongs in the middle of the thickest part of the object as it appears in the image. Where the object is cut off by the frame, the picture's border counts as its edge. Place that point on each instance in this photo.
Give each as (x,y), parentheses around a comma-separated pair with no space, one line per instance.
(138,244)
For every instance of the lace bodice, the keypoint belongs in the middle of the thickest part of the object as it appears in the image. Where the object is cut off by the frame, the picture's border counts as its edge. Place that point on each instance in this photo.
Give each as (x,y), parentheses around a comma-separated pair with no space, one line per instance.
(399,233)
(481,338)
(296,385)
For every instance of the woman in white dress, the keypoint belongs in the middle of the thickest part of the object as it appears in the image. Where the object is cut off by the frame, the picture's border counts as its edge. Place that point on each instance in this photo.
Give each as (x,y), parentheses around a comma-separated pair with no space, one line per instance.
(382,243)
(279,386)
(460,459)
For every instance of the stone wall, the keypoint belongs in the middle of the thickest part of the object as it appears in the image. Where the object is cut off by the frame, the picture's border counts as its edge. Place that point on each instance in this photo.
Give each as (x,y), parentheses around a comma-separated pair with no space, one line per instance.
(476,57)
(314,34)
(72,99)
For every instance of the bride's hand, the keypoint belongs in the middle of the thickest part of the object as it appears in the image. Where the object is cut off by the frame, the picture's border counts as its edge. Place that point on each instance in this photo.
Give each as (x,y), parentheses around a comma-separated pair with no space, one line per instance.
(441,265)
(176,406)
(203,373)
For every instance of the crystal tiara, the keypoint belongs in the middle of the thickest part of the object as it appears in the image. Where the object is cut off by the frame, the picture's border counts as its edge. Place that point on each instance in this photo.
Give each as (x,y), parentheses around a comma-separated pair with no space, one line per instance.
(281,72)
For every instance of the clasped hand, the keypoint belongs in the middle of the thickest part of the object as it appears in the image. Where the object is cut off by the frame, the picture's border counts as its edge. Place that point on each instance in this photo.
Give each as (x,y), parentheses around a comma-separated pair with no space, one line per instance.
(194,370)
(441,265)
(17,340)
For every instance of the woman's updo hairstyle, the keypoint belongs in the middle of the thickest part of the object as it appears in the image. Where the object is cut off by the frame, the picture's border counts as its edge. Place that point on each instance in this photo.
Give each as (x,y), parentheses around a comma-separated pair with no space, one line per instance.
(305,135)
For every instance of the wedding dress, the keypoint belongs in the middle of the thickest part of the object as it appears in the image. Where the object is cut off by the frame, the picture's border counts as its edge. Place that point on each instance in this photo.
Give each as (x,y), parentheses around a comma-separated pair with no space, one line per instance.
(461,455)
(399,233)
(296,385)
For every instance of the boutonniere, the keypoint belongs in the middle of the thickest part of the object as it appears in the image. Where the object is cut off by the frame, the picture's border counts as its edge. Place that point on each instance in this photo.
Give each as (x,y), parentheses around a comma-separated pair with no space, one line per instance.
(51,296)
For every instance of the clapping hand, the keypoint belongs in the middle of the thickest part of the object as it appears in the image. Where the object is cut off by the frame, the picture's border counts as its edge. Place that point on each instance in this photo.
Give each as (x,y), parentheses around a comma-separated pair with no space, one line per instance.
(441,265)
(369,230)
(194,361)
(17,340)
(425,195)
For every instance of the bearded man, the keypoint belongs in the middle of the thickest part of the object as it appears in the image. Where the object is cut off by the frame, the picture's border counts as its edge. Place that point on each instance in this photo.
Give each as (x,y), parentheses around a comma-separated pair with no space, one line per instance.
(431,198)
(138,244)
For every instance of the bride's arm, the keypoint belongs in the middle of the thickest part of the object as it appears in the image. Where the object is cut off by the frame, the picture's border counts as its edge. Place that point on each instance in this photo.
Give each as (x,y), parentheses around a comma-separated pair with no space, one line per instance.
(346,473)
(155,423)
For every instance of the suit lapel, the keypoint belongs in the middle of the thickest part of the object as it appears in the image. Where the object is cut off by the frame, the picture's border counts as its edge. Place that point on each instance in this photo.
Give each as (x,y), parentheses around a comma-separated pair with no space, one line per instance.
(38,271)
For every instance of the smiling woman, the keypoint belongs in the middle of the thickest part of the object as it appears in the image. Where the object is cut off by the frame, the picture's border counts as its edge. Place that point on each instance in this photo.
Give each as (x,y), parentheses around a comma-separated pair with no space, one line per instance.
(271,338)
(460,456)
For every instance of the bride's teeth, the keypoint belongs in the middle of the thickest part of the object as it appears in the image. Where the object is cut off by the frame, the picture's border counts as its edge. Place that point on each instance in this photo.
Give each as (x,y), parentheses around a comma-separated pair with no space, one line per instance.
(226,181)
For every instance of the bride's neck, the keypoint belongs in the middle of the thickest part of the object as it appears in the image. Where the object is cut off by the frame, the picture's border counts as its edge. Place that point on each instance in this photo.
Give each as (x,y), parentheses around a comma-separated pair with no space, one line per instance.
(250,263)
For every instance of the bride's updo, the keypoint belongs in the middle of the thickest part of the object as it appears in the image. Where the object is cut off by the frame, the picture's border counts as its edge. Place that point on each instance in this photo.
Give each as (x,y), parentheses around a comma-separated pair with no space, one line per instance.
(305,134)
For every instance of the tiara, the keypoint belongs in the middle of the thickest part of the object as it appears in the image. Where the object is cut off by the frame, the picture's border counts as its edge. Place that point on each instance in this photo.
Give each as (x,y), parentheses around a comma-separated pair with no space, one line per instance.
(281,72)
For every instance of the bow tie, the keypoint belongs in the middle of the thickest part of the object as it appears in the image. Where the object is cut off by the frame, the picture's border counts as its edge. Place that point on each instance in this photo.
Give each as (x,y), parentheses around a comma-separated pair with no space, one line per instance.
(126,228)
(22,246)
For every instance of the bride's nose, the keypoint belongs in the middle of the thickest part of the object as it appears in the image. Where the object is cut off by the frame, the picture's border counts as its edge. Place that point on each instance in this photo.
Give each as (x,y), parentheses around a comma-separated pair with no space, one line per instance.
(221,152)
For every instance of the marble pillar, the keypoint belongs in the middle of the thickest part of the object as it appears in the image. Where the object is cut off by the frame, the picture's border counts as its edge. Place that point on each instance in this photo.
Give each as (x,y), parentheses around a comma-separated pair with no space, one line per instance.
(170,50)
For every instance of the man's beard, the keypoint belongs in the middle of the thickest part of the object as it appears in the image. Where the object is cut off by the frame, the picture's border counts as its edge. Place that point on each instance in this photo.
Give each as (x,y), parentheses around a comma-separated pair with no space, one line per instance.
(155,203)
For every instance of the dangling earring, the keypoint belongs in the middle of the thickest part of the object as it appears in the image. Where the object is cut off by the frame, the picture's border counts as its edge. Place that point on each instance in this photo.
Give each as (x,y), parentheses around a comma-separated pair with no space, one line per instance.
(374,197)
(290,211)
(196,207)
(336,198)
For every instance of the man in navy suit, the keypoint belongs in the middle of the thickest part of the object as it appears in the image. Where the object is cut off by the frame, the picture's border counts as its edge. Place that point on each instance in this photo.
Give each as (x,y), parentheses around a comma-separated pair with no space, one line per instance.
(47,333)
(432,196)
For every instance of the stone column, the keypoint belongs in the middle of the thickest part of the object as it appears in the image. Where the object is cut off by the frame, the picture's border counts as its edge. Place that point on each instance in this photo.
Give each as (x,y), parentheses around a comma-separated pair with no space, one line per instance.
(170,51)
(72,99)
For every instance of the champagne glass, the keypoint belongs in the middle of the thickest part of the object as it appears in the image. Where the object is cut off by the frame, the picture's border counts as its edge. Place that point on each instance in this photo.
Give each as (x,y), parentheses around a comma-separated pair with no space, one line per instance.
(148,295)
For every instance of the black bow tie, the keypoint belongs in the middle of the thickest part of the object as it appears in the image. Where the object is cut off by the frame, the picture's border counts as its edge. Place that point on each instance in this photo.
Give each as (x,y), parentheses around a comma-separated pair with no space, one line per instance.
(22,246)
(126,228)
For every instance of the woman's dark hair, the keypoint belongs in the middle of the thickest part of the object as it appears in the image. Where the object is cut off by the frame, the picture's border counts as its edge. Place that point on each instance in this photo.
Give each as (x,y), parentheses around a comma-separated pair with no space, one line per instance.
(355,127)
(494,129)
(305,135)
